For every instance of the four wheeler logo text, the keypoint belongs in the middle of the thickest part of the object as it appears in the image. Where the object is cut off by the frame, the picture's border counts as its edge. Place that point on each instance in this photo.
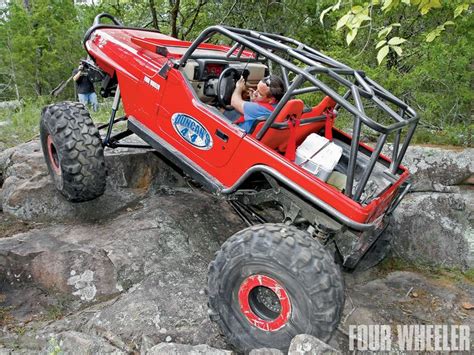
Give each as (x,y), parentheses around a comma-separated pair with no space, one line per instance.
(192,131)
(413,337)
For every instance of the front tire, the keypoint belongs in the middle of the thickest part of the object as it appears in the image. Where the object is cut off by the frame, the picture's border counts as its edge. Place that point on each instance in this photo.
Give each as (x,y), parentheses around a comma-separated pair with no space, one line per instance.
(269,283)
(73,151)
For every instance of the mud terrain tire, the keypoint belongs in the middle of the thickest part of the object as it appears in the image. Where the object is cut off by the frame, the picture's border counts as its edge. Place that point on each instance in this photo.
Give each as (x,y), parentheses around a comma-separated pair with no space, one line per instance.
(73,151)
(271,282)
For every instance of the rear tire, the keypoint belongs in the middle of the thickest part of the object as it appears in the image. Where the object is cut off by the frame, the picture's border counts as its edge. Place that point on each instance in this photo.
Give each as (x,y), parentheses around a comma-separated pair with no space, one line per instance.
(73,151)
(269,283)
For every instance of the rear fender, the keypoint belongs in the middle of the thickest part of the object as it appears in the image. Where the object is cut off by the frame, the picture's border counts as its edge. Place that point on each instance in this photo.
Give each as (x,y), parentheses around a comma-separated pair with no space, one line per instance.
(353,245)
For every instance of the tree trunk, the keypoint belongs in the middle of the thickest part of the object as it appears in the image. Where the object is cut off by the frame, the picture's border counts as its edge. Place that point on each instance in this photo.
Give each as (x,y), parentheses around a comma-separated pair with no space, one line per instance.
(38,87)
(155,23)
(12,67)
(174,4)
(26,5)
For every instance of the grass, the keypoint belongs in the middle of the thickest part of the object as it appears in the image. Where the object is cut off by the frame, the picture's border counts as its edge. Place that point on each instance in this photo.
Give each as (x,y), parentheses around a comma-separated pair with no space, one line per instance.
(391,264)
(19,125)
(22,124)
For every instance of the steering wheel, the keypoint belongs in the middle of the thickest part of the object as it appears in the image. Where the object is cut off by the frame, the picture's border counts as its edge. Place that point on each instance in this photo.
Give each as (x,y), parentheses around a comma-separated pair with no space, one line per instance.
(226,86)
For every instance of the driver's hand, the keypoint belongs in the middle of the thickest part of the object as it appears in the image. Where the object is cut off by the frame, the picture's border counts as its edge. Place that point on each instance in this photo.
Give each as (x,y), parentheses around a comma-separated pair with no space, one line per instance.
(240,84)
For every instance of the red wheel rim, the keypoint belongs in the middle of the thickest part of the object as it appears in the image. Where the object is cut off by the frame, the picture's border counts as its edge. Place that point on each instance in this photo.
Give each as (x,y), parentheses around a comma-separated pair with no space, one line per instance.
(264,302)
(53,156)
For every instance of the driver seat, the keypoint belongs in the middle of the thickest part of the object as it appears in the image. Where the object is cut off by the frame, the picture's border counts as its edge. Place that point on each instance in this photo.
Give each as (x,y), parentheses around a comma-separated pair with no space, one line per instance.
(277,138)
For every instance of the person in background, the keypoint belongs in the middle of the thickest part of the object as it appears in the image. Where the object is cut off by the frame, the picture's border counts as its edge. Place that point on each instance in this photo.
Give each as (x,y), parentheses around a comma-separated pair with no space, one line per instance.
(262,102)
(85,87)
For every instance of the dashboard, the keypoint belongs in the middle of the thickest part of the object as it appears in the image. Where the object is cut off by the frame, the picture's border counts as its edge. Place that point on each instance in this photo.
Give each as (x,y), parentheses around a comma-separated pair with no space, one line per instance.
(203,75)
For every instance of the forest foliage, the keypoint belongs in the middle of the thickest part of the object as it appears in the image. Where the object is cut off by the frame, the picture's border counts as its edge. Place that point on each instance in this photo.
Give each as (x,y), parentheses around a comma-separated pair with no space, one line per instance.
(419,49)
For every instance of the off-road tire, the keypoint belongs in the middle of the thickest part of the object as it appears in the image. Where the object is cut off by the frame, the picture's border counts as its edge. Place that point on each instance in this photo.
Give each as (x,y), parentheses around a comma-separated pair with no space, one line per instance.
(73,151)
(297,262)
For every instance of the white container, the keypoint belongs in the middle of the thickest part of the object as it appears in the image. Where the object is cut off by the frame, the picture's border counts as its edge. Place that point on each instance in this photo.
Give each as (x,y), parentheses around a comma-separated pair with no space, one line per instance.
(318,155)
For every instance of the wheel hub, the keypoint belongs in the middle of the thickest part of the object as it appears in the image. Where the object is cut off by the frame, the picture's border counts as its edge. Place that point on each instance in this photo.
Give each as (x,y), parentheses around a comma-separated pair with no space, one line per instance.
(268,298)
(264,302)
(53,156)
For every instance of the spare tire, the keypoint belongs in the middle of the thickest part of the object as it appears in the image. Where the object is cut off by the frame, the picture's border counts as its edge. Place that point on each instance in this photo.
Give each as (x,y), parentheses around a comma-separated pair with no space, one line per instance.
(73,151)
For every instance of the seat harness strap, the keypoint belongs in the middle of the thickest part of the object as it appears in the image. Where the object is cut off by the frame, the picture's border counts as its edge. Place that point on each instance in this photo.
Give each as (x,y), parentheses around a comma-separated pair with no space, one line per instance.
(293,123)
(330,117)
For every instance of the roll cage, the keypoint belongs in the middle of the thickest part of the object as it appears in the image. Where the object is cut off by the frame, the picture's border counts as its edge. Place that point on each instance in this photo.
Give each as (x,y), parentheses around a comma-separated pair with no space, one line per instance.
(302,65)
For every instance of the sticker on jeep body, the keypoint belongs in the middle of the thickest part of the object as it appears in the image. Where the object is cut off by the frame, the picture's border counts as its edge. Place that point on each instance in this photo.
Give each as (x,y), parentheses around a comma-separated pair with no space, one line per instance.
(192,131)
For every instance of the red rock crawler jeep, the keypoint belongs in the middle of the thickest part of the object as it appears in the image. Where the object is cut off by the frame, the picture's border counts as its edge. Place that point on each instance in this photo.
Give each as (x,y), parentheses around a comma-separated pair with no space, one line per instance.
(270,281)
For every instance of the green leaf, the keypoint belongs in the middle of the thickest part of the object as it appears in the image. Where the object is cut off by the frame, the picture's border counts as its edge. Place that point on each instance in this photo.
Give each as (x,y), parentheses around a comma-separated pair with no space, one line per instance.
(343,21)
(386,4)
(351,35)
(382,54)
(426,5)
(356,9)
(407,2)
(396,41)
(381,43)
(384,32)
(397,50)
(430,37)
(460,9)
(389,5)
(365,17)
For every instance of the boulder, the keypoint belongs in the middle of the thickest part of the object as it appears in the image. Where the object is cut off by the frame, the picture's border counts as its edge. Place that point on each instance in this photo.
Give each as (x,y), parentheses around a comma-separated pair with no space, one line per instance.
(304,344)
(89,261)
(266,351)
(182,349)
(71,342)
(28,192)
(435,229)
(142,273)
(433,224)
(439,168)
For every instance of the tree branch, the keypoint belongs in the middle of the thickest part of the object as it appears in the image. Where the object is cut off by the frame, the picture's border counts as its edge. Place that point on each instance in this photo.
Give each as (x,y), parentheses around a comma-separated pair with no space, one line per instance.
(228,13)
(193,22)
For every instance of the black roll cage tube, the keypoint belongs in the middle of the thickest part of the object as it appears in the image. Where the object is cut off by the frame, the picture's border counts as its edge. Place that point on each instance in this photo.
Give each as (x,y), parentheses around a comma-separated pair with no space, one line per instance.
(262,44)
(316,63)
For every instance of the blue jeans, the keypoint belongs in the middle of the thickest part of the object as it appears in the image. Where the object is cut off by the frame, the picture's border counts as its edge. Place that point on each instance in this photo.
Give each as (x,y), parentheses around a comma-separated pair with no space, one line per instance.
(89,99)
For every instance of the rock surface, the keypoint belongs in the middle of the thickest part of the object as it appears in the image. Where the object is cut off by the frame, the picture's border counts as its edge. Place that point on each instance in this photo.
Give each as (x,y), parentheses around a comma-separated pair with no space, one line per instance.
(131,276)
(434,223)
(305,344)
(181,349)
(29,194)
(71,342)
(266,351)
(435,229)
(439,169)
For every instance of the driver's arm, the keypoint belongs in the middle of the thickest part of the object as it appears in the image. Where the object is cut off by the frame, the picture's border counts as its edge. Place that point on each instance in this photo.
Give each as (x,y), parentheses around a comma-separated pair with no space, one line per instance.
(236,100)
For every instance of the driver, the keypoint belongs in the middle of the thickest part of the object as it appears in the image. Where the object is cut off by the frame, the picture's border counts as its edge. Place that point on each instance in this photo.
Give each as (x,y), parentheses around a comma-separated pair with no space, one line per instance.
(262,102)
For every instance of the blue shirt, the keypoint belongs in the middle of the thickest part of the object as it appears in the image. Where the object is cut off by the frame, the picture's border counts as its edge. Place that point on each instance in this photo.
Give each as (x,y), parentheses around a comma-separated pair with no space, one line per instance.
(252,112)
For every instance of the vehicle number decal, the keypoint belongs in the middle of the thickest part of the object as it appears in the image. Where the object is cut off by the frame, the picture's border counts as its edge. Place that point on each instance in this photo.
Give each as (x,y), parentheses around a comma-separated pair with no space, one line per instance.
(152,83)
(192,131)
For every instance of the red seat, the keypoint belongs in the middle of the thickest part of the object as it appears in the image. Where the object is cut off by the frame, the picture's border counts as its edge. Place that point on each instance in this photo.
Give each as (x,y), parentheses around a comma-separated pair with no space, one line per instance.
(278,138)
